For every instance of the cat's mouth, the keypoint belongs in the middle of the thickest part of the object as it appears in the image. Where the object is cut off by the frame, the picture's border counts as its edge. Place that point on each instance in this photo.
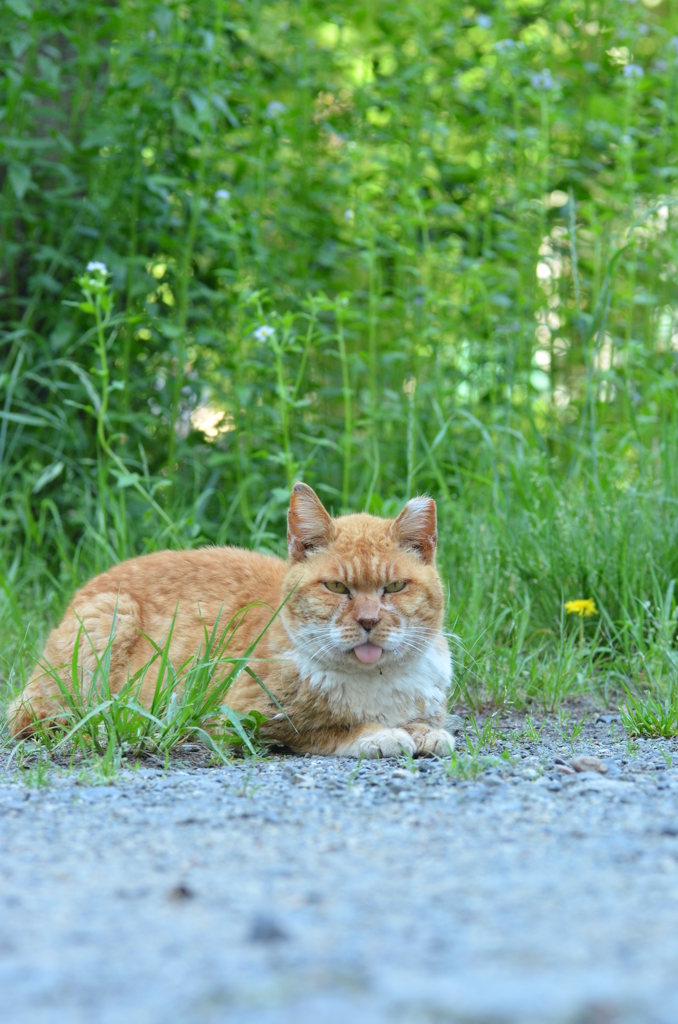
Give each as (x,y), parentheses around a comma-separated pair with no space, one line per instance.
(368,652)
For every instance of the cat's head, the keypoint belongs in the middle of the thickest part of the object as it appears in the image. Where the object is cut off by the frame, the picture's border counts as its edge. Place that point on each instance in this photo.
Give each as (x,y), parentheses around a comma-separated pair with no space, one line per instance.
(363,591)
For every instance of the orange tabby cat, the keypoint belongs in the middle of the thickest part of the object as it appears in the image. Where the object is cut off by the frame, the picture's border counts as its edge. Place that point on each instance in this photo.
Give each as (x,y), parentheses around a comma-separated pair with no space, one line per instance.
(356,657)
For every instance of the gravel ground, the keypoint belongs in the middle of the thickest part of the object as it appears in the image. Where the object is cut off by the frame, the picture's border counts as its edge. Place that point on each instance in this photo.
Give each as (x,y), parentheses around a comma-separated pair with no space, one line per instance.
(313,890)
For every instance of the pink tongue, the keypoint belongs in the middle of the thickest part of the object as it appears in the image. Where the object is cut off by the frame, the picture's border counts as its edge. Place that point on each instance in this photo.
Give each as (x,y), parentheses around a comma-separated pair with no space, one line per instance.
(367,653)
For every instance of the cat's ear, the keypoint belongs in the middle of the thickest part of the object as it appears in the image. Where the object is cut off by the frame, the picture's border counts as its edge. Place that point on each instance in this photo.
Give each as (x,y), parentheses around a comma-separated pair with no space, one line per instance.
(416,528)
(309,527)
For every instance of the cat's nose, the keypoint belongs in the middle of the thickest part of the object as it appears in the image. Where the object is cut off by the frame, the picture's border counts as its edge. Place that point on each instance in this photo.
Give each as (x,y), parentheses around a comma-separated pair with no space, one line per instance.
(368,624)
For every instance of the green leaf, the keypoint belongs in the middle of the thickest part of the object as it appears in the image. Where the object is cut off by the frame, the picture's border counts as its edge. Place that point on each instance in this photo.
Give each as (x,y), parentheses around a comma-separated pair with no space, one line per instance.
(126,479)
(185,122)
(20,7)
(18,417)
(86,383)
(235,721)
(19,179)
(48,474)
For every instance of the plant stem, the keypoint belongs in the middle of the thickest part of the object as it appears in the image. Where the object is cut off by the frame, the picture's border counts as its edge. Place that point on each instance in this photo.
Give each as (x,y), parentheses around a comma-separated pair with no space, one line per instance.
(184,273)
(410,391)
(283,405)
(348,412)
(102,447)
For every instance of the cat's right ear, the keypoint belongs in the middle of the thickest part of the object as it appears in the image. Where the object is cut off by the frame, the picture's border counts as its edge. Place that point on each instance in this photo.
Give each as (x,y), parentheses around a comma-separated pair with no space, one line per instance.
(309,527)
(416,528)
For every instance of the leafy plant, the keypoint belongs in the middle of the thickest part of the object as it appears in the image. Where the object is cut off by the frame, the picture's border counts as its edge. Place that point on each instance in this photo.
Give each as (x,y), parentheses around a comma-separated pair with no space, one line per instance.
(486,736)
(532,731)
(463,767)
(650,716)
(667,756)
(576,731)
(189,702)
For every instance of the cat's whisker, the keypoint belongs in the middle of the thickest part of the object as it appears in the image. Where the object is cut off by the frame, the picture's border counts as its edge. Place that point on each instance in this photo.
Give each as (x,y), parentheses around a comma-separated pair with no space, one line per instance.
(325,647)
(410,645)
(414,643)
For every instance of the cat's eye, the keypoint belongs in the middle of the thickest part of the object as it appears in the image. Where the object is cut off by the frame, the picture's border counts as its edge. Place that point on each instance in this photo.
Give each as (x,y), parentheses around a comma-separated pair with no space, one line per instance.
(395,587)
(337,587)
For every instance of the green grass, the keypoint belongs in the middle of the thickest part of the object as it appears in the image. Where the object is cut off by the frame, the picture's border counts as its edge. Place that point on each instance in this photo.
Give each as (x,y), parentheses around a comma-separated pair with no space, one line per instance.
(189,702)
(390,250)
(650,716)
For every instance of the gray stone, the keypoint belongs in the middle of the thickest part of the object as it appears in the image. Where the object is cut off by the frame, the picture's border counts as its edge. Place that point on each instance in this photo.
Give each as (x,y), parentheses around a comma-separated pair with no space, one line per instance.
(587,763)
(302,779)
(266,929)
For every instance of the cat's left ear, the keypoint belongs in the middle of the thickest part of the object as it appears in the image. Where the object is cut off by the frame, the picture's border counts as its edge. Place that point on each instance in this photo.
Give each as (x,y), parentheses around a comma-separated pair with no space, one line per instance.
(309,526)
(416,528)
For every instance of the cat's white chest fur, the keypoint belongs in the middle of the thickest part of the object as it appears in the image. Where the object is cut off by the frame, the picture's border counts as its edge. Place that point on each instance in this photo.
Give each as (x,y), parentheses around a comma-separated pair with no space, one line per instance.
(413,690)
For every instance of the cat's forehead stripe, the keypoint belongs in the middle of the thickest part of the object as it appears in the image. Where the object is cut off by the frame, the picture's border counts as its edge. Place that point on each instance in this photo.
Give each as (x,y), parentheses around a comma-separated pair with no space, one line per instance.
(372,571)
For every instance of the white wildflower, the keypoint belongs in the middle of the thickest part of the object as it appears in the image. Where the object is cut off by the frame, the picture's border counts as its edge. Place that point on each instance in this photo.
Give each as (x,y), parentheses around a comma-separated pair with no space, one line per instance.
(222,193)
(484,21)
(263,332)
(94,267)
(349,215)
(275,108)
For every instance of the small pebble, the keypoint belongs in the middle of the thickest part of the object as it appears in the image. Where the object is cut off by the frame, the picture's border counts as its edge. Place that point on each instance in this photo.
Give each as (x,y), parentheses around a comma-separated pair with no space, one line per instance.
(588,764)
(266,929)
(300,779)
(181,892)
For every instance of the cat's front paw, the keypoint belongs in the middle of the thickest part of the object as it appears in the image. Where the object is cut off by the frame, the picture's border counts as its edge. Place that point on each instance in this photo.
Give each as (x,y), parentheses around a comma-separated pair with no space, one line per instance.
(381,743)
(434,741)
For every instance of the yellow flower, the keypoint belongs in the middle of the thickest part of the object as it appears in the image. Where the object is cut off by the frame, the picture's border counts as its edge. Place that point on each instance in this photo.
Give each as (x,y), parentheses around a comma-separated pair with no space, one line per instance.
(582,607)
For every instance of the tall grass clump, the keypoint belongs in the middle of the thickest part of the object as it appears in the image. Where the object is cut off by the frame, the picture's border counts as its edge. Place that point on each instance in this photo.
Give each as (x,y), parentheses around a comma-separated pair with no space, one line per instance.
(389,249)
(189,701)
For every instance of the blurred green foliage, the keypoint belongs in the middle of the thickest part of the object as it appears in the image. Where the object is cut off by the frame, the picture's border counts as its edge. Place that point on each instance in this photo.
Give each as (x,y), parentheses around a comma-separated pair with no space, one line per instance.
(387,248)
